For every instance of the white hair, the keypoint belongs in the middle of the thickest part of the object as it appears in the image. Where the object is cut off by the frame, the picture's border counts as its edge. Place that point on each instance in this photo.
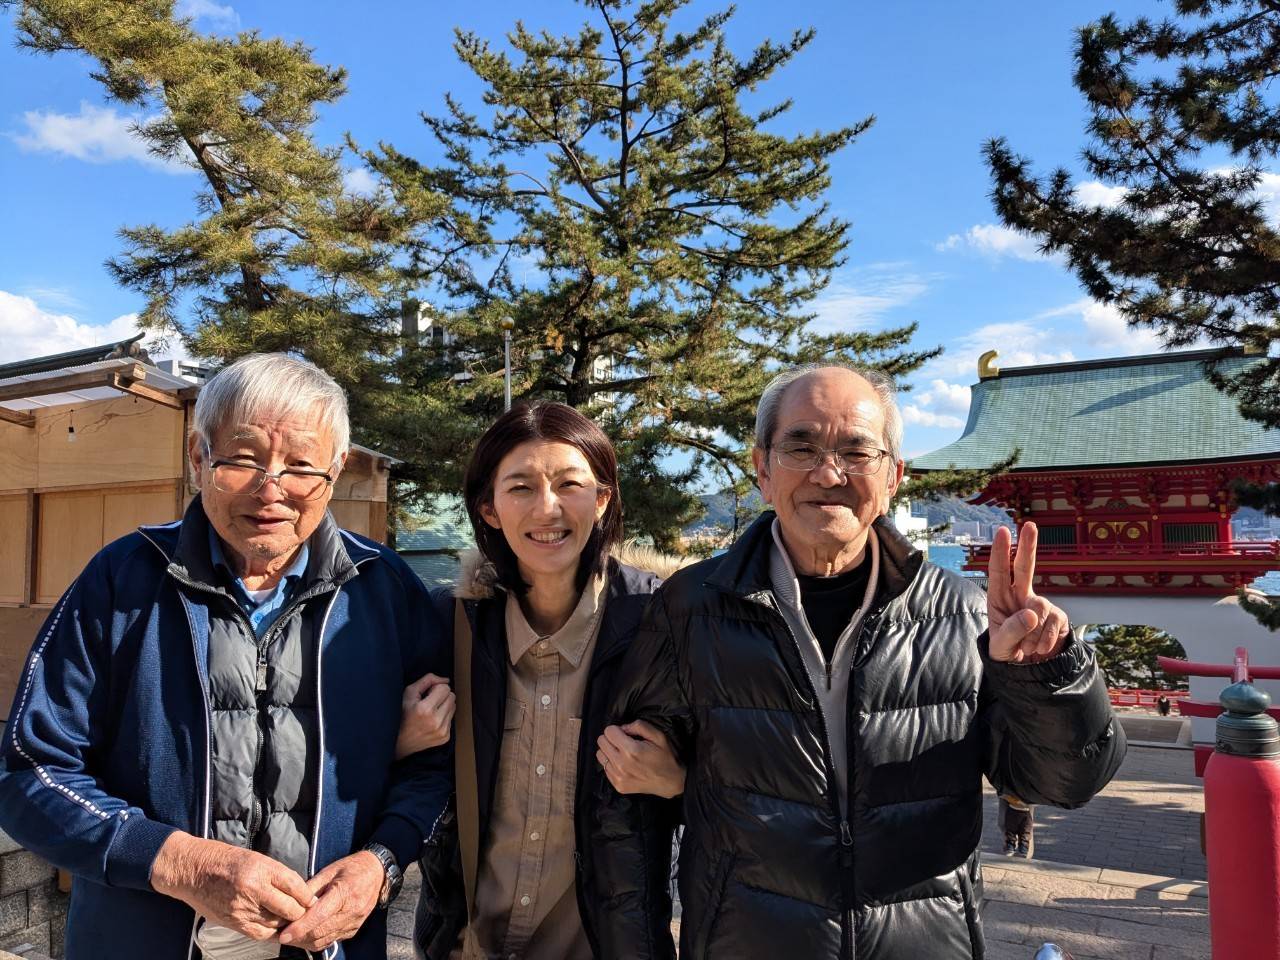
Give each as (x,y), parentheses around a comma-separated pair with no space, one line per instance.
(271,385)
(881,383)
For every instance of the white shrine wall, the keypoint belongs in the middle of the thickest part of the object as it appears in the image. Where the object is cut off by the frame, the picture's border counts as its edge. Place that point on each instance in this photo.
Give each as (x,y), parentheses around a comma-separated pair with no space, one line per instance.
(1209,629)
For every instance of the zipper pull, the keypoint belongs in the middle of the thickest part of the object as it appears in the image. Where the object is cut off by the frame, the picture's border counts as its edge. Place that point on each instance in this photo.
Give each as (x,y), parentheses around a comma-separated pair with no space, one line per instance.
(260,684)
(846,844)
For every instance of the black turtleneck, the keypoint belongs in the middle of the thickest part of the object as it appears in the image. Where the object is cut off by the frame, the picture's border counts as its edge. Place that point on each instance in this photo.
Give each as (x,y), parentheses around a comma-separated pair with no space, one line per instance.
(829,603)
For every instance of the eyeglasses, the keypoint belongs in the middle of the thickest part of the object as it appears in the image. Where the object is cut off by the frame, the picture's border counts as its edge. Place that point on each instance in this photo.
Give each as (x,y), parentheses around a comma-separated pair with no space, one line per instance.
(230,476)
(855,461)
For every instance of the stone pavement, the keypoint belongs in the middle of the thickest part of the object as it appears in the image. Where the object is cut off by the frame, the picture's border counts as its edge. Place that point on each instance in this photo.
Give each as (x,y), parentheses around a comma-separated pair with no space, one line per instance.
(1093,913)
(1146,820)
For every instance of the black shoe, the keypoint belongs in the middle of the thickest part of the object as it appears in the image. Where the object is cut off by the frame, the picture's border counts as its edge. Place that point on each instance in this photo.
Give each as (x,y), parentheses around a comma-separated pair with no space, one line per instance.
(1024,846)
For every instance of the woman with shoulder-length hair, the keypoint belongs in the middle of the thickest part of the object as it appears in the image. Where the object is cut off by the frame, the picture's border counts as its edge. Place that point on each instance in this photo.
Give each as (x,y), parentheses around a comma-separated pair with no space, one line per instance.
(542,616)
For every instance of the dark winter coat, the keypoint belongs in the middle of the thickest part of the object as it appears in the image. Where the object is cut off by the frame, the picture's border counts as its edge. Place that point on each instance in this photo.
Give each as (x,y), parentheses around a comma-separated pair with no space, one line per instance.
(441,913)
(768,866)
(108,747)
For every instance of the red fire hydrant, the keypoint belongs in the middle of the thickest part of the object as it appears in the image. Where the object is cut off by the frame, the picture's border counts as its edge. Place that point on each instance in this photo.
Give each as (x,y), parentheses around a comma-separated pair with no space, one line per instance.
(1242,828)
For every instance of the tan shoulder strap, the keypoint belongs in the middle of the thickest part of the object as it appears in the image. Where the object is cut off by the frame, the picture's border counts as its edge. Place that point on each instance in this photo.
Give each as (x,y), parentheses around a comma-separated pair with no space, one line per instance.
(464,758)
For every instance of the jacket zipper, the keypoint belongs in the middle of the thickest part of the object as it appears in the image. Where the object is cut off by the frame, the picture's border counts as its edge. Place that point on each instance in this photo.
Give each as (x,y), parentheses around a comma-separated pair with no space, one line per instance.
(257,811)
(844,834)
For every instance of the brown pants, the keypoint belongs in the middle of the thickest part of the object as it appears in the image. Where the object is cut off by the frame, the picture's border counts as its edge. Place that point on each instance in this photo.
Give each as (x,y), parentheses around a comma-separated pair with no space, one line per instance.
(1017,820)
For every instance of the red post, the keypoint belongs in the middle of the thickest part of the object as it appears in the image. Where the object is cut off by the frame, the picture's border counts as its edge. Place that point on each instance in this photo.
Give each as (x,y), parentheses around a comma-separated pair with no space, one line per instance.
(1242,826)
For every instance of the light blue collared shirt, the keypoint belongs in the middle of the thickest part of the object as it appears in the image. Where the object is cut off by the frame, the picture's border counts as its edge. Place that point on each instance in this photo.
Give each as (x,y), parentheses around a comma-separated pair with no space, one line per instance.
(262,614)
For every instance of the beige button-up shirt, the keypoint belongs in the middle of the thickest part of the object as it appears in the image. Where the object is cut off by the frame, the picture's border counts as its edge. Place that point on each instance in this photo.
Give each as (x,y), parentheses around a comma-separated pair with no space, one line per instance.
(526,886)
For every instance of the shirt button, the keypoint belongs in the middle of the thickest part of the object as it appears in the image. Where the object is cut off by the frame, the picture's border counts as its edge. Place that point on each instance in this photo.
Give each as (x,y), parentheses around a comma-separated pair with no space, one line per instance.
(535,836)
(546,699)
(524,901)
(541,769)
(542,645)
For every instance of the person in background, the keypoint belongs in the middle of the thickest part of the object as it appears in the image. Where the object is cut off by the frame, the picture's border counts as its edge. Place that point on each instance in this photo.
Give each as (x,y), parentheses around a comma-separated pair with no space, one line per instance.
(1018,823)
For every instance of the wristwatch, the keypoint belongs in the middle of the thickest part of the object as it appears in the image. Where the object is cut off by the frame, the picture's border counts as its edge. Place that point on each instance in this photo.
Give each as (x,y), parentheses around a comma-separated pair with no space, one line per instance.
(394,877)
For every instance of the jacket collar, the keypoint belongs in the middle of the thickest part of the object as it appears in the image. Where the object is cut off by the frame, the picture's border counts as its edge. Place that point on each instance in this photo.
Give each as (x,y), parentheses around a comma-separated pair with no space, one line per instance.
(744,570)
(335,554)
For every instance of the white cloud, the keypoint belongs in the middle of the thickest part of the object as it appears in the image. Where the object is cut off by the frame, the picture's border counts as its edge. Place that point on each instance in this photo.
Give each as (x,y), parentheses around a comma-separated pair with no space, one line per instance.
(951,397)
(913,414)
(95,135)
(28,330)
(994,241)
(207,10)
(359,181)
(1021,344)
(861,298)
(1095,193)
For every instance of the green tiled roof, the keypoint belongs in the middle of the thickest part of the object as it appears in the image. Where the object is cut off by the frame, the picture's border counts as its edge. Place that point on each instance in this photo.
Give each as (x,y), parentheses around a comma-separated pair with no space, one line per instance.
(1152,409)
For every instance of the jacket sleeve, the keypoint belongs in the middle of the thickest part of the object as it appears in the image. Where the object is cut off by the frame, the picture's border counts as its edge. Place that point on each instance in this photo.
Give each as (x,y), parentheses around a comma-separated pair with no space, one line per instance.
(1052,735)
(631,835)
(421,783)
(51,801)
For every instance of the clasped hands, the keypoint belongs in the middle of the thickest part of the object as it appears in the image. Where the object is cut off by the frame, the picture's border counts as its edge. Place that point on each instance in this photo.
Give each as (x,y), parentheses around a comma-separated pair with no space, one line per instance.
(252,894)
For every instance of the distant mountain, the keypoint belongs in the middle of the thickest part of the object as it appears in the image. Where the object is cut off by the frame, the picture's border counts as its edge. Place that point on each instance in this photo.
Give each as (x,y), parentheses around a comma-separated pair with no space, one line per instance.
(719,514)
(946,509)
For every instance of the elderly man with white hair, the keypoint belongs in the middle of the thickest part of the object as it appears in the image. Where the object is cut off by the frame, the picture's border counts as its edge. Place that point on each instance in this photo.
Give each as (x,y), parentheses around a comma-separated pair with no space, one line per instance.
(205,731)
(836,700)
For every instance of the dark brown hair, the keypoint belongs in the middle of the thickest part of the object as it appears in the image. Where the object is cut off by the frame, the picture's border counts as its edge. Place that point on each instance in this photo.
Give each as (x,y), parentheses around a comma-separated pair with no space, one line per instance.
(553,423)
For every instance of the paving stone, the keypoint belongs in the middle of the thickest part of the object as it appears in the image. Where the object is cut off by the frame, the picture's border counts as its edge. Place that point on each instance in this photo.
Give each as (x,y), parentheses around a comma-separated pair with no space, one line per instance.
(46,902)
(1155,933)
(22,869)
(36,936)
(400,923)
(13,912)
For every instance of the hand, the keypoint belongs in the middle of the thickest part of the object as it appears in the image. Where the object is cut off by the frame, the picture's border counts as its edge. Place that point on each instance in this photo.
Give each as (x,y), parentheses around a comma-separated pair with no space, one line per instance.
(348,891)
(426,710)
(638,759)
(1024,628)
(236,888)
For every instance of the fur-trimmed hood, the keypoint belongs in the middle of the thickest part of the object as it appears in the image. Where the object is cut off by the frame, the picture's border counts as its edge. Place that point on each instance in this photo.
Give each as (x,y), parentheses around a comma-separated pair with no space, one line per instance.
(477,577)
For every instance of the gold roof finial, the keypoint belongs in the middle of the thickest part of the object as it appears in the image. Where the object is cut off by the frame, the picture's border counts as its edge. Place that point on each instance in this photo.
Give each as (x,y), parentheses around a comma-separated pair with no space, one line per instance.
(987,365)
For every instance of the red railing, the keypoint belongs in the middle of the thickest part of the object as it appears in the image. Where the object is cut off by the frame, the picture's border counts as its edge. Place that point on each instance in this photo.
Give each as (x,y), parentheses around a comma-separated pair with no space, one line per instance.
(1251,549)
(1125,697)
(1238,670)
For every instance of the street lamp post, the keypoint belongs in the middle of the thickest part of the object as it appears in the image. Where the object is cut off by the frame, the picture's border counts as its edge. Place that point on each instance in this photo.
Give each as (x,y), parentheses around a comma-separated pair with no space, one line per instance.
(507,325)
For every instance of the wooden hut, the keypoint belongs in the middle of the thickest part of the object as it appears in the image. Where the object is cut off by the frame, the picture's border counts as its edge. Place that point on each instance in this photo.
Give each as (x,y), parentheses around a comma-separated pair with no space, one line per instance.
(92,444)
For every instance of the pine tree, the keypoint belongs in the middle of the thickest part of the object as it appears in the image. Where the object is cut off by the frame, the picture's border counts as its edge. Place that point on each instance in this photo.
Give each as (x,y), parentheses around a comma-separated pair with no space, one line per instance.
(280,256)
(1185,120)
(619,202)
(656,246)
(1128,656)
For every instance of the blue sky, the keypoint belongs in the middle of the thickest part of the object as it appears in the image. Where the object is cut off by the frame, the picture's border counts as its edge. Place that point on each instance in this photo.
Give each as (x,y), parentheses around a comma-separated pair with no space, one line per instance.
(940,77)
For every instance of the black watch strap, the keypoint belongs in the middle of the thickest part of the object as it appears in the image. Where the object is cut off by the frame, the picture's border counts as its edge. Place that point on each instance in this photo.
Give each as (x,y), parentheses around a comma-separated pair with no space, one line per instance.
(394,876)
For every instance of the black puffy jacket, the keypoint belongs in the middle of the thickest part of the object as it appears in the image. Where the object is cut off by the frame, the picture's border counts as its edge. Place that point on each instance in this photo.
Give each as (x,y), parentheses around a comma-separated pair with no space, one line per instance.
(768,867)
(441,910)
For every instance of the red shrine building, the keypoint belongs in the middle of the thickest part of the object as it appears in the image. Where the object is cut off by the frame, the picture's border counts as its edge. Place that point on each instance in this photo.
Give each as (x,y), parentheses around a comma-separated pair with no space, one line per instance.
(1126,466)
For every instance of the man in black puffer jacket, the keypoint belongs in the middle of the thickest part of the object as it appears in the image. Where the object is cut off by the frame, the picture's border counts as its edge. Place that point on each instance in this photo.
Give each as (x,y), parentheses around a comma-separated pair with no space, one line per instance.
(837,700)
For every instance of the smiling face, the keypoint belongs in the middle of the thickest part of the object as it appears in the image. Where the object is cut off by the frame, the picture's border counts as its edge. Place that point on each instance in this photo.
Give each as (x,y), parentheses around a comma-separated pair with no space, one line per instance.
(545,501)
(825,514)
(265,528)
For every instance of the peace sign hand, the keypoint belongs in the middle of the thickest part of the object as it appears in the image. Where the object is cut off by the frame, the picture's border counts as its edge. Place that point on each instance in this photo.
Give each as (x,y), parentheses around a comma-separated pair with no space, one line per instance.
(1024,628)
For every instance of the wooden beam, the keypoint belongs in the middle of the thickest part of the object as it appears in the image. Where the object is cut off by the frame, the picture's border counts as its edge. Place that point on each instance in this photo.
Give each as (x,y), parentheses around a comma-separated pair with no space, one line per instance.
(17,416)
(69,382)
(146,393)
